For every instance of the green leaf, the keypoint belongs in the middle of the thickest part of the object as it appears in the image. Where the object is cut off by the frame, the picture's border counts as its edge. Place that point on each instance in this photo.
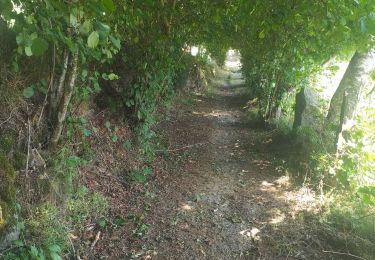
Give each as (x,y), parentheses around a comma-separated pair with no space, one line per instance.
(73,161)
(105,76)
(19,243)
(86,132)
(54,248)
(39,46)
(112,76)
(28,92)
(97,88)
(34,251)
(33,36)
(114,138)
(41,256)
(86,27)
(119,221)
(20,225)
(84,73)
(116,42)
(55,256)
(28,51)
(93,39)
(73,19)
(363,23)
(103,31)
(262,35)
(139,115)
(109,5)
(102,222)
(103,28)
(127,145)
(19,39)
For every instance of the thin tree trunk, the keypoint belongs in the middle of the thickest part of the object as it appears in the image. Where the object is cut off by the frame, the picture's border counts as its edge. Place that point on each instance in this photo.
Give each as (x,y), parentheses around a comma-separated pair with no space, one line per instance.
(299,109)
(56,90)
(64,102)
(59,90)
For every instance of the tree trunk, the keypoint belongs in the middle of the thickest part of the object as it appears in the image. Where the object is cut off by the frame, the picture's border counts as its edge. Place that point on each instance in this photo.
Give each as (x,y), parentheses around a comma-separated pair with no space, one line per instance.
(299,109)
(56,91)
(63,104)
(272,103)
(344,103)
(357,74)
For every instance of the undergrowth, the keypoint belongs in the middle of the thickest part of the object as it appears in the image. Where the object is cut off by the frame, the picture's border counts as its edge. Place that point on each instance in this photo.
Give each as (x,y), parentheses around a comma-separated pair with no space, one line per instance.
(347,215)
(46,232)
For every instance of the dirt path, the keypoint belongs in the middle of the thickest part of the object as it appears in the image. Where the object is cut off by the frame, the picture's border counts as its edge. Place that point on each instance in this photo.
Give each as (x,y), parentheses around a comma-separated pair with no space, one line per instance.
(218,191)
(223,198)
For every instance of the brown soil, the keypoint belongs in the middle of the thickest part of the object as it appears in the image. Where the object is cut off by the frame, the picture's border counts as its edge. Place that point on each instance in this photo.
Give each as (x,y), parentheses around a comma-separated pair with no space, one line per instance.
(219,191)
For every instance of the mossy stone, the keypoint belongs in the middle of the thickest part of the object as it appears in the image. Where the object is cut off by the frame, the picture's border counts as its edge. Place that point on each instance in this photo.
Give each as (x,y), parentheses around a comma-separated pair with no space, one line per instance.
(7,192)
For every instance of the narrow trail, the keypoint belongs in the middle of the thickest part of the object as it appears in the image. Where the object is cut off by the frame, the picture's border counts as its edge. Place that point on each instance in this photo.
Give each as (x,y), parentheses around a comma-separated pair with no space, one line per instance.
(225,197)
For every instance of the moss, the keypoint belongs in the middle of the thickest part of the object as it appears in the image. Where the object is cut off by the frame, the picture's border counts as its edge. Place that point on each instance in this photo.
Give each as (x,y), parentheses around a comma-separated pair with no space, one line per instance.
(7,192)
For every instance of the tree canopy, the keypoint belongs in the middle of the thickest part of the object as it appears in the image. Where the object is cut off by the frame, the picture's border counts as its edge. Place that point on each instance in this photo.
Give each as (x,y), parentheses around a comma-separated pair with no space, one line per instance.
(130,56)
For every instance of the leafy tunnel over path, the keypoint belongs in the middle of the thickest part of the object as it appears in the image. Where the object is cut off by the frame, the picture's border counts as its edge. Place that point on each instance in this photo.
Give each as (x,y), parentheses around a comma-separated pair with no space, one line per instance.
(83,82)
(227,197)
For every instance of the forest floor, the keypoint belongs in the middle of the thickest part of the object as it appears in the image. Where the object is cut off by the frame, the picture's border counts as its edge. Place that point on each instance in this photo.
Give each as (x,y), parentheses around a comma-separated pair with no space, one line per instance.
(219,191)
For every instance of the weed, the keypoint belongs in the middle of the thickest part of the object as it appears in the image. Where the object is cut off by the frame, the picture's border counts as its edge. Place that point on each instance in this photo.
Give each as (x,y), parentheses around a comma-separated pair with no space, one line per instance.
(127,145)
(112,131)
(349,214)
(86,207)
(119,221)
(45,232)
(139,175)
(35,253)
(141,230)
(47,226)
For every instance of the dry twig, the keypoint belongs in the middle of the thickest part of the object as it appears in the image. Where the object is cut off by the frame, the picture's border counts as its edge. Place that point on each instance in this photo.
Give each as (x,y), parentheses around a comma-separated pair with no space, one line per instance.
(341,253)
(96,240)
(72,245)
(28,146)
(10,116)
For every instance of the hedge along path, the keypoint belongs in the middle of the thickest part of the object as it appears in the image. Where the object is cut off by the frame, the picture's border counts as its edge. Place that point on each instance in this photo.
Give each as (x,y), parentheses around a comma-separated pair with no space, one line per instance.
(226,199)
